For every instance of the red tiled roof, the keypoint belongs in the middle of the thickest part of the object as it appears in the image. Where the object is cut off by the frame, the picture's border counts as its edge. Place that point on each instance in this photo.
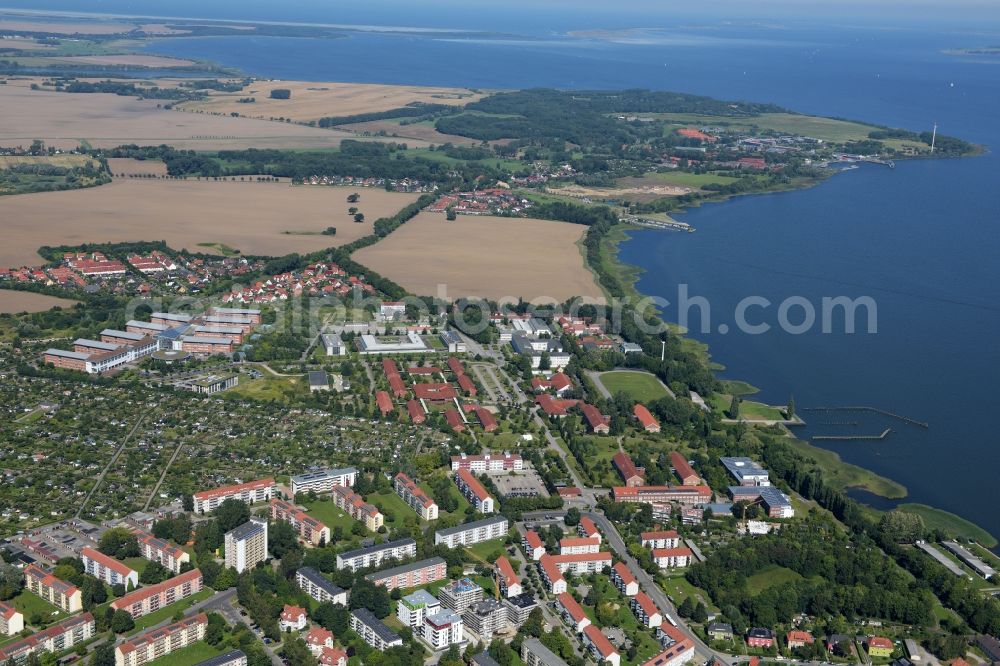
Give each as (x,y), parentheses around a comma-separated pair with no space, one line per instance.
(646,604)
(570,491)
(442,391)
(595,419)
(645,418)
(682,466)
(107,562)
(553,406)
(624,573)
(292,613)
(623,462)
(599,641)
(507,571)
(799,636)
(454,419)
(660,534)
(570,542)
(133,598)
(469,480)
(550,568)
(589,528)
(232,490)
(583,557)
(383,401)
(572,606)
(879,642)
(416,411)
(534,541)
(680,551)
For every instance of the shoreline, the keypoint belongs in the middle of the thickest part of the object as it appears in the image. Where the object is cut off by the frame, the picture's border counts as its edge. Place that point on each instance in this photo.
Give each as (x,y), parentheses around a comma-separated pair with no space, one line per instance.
(847,476)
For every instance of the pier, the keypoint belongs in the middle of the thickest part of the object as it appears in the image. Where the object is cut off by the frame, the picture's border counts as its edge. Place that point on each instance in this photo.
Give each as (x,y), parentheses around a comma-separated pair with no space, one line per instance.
(672,225)
(874,410)
(845,438)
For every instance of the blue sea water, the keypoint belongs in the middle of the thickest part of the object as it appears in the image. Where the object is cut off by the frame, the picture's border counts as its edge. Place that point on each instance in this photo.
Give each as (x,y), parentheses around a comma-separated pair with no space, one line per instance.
(921,240)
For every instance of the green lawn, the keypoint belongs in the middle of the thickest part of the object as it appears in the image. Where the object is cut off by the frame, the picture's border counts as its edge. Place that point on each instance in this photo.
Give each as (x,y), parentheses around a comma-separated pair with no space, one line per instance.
(192,654)
(327,512)
(769,577)
(396,511)
(827,129)
(688,179)
(29,604)
(639,386)
(138,564)
(482,551)
(950,523)
(167,612)
(267,388)
(679,589)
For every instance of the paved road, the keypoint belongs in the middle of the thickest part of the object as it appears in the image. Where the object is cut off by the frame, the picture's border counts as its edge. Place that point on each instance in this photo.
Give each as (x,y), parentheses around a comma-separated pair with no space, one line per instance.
(222,603)
(159,482)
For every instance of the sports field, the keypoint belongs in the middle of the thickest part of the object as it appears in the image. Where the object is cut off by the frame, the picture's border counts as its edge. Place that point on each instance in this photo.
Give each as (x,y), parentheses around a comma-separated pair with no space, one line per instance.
(639,386)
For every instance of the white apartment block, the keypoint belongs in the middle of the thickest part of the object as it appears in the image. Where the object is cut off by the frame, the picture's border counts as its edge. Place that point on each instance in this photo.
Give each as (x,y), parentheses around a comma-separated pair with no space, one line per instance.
(157,550)
(157,643)
(58,638)
(323,481)
(108,569)
(317,586)
(373,556)
(443,629)
(251,492)
(246,545)
(415,497)
(487,463)
(414,608)
(11,620)
(474,532)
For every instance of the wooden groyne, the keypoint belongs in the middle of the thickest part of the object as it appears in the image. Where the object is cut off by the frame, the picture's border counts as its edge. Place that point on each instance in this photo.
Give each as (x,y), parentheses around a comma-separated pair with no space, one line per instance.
(873,410)
(845,438)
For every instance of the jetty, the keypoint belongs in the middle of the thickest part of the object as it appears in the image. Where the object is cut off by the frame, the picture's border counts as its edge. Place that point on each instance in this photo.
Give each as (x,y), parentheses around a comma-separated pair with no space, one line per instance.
(672,225)
(873,410)
(845,438)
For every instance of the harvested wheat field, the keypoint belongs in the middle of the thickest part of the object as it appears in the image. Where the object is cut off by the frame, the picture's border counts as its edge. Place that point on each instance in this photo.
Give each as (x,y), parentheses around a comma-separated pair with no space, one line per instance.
(25,301)
(106,120)
(419,131)
(126,166)
(205,216)
(311,100)
(491,257)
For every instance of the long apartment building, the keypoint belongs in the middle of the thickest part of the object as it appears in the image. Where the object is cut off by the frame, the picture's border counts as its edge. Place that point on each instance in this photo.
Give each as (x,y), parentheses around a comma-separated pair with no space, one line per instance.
(533,653)
(152,598)
(415,497)
(600,647)
(251,492)
(58,638)
(310,530)
(317,586)
(410,575)
(471,533)
(157,643)
(373,631)
(686,495)
(660,539)
(473,490)
(11,620)
(163,552)
(507,580)
(246,545)
(252,315)
(59,593)
(357,508)
(323,481)
(373,556)
(108,569)
(579,545)
(488,462)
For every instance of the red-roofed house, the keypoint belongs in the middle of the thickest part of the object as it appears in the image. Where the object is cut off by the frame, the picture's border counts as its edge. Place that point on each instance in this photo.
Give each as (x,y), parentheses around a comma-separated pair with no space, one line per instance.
(384,402)
(879,646)
(631,475)
(683,469)
(687,495)
(318,638)
(577,545)
(588,529)
(572,612)
(416,411)
(597,422)
(569,492)
(553,407)
(473,491)
(645,418)
(533,546)
(660,539)
(551,575)
(796,639)
(466,385)
(442,392)
(293,618)
(672,558)
(508,582)
(558,383)
(647,612)
(454,420)
(624,580)
(333,657)
(600,647)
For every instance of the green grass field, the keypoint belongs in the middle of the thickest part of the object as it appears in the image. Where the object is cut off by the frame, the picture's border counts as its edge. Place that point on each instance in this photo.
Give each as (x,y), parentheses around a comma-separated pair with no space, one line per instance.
(639,386)
(482,551)
(950,523)
(828,129)
(396,511)
(29,604)
(266,388)
(327,512)
(769,577)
